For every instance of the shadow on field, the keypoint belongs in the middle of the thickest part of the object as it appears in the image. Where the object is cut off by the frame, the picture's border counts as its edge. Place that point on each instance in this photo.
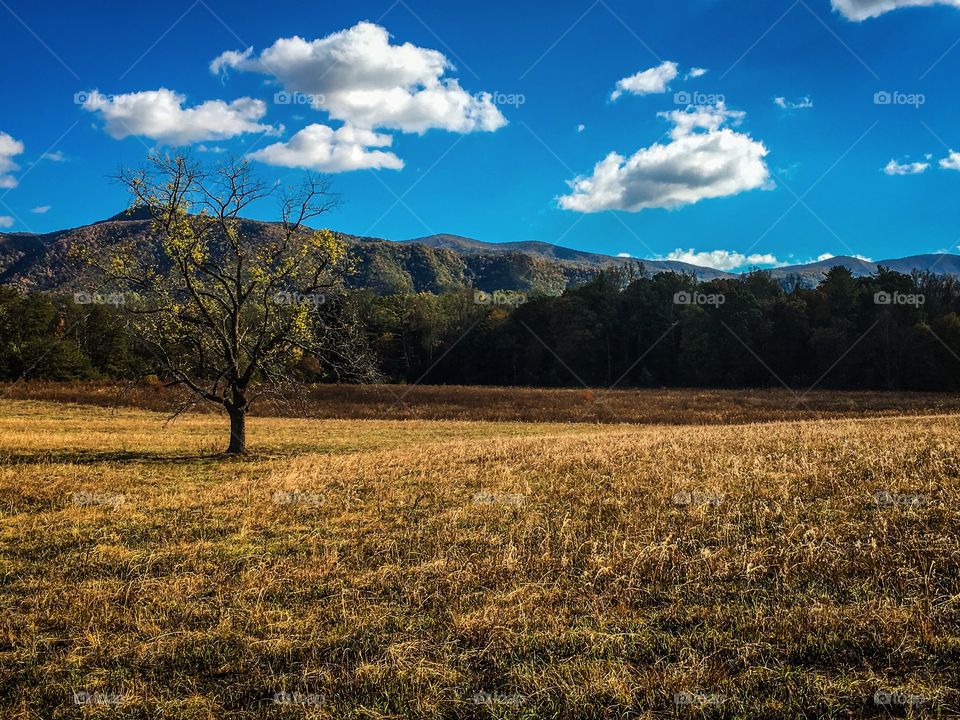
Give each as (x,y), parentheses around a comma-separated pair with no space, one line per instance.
(96,457)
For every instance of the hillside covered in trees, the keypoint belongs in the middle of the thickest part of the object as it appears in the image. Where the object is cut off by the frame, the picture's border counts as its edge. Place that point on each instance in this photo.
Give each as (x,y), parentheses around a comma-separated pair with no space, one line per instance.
(885,331)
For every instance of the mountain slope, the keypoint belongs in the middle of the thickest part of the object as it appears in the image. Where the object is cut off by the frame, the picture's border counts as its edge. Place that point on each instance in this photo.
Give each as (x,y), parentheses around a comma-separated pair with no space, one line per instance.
(41,262)
(556,253)
(812,273)
(436,263)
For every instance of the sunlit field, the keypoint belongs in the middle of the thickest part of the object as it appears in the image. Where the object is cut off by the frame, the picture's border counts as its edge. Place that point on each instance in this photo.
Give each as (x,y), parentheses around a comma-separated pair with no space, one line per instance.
(448,569)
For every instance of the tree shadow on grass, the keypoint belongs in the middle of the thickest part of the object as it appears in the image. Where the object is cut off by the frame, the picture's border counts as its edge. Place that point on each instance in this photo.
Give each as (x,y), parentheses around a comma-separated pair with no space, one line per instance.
(98,457)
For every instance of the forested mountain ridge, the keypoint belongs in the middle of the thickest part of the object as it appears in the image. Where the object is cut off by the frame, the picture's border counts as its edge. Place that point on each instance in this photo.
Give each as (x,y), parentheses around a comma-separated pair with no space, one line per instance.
(41,262)
(437,263)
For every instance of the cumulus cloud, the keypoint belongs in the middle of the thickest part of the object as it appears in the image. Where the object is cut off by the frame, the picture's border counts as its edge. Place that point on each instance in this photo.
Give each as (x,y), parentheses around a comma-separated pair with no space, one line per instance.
(161,116)
(358,76)
(704,159)
(915,168)
(55,156)
(864,9)
(721,259)
(41,210)
(9,148)
(6,221)
(319,147)
(802,104)
(647,82)
(951,162)
(696,72)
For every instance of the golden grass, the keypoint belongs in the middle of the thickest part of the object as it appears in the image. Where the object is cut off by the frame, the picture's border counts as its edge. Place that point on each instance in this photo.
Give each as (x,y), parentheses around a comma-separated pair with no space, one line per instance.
(507,404)
(434,569)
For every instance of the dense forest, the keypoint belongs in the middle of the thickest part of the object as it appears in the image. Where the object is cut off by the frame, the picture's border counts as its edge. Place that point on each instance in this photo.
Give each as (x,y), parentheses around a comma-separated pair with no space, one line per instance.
(629,329)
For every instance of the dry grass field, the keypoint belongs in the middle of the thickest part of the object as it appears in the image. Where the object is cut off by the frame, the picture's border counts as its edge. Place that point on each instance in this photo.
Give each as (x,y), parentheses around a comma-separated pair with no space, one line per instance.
(371,569)
(508,404)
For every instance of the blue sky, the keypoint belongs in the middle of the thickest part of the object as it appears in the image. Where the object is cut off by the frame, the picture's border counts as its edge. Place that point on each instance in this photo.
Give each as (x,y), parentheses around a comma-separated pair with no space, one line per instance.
(743,131)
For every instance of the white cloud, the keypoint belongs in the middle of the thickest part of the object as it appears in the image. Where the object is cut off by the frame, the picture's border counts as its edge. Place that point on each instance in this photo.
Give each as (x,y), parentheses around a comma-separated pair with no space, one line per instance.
(801,104)
(6,221)
(951,162)
(41,209)
(830,256)
(9,148)
(703,160)
(359,77)
(55,156)
(697,72)
(581,128)
(721,259)
(624,255)
(863,9)
(319,147)
(915,168)
(215,149)
(160,115)
(647,82)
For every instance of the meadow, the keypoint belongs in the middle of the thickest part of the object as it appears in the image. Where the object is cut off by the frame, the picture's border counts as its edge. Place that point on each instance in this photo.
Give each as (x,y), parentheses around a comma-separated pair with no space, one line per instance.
(517,404)
(686,564)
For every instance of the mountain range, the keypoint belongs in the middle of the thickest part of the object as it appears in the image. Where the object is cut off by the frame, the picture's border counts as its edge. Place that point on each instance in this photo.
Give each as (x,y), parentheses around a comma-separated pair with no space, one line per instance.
(436,263)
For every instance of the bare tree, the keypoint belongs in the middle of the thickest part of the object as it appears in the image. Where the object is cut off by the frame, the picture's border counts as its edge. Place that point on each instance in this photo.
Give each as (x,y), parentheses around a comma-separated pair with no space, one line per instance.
(226,306)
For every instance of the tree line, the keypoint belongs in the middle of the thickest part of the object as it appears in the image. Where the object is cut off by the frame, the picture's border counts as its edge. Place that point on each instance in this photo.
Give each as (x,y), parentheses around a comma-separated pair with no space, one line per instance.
(623,328)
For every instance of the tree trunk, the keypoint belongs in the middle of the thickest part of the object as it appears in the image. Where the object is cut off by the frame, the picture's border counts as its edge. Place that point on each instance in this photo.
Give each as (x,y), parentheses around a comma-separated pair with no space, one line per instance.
(238,430)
